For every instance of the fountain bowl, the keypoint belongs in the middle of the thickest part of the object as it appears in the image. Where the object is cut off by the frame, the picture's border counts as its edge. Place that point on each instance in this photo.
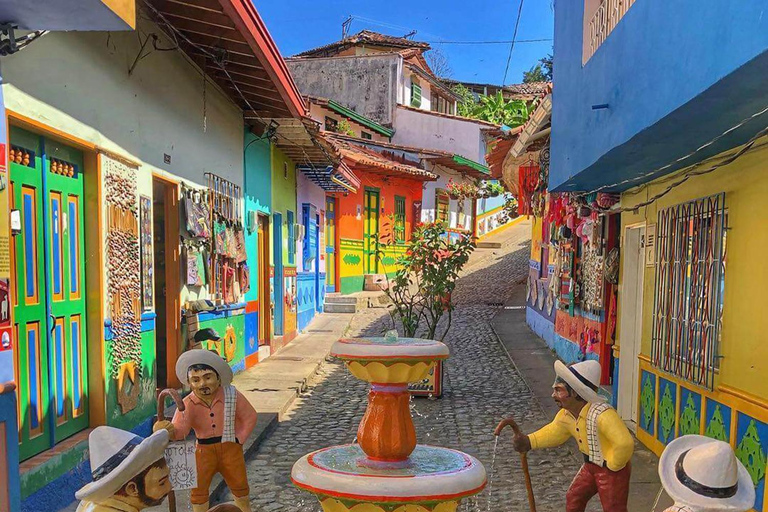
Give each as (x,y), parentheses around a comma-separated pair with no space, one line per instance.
(433,479)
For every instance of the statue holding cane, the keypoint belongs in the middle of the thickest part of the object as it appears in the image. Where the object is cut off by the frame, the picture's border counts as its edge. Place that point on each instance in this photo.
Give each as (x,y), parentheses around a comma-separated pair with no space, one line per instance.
(604,440)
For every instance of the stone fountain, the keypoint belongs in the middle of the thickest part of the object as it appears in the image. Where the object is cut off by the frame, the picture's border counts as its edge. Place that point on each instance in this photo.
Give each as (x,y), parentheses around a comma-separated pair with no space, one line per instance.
(386,470)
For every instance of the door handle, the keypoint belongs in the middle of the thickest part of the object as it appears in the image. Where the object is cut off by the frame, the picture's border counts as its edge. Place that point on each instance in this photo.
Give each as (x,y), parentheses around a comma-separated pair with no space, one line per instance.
(52,320)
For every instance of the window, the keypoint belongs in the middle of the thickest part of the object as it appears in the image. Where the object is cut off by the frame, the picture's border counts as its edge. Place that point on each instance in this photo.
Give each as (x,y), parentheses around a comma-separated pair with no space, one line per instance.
(291,238)
(442,207)
(331,124)
(285,170)
(399,219)
(688,293)
(366,135)
(415,94)
(441,104)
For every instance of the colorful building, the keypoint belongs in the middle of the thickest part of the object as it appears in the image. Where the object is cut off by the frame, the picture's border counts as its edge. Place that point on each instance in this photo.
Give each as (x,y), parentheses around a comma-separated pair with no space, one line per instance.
(124,242)
(690,172)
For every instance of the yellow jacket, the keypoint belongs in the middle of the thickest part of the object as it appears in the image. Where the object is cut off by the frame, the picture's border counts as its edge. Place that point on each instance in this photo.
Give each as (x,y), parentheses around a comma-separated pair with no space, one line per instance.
(616,442)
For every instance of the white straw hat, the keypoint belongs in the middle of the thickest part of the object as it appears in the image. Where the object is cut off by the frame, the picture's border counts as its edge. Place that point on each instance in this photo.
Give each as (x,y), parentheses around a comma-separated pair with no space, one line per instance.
(207,357)
(705,473)
(116,457)
(583,377)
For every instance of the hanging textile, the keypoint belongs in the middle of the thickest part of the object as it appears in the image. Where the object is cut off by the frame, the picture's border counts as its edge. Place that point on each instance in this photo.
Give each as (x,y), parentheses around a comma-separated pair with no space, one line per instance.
(197,217)
(528,180)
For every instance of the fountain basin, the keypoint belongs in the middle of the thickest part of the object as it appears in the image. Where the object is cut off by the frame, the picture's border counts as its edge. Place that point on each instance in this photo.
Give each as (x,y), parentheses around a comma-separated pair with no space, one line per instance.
(432,479)
(389,360)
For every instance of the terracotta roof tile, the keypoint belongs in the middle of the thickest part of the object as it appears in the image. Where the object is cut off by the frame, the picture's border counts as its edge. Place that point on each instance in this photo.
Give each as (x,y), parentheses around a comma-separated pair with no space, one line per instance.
(363,37)
(368,158)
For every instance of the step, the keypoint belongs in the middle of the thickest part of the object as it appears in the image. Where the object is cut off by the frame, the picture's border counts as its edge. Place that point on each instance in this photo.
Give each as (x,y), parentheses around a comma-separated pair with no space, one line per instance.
(339,308)
(489,245)
(340,299)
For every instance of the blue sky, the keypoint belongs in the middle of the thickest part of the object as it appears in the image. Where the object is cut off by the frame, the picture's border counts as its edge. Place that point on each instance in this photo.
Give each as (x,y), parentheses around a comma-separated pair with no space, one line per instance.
(298,25)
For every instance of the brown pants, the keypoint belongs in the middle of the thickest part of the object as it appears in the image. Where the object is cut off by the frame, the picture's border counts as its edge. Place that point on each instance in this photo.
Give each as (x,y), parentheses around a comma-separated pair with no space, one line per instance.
(611,486)
(224,458)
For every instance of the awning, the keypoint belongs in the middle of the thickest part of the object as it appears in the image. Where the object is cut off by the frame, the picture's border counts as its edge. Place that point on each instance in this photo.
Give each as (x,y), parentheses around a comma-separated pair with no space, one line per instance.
(332,179)
(463,165)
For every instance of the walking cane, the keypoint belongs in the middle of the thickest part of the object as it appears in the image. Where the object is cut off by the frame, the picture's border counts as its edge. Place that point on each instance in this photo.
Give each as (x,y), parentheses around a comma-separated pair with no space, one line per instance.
(161,416)
(523,460)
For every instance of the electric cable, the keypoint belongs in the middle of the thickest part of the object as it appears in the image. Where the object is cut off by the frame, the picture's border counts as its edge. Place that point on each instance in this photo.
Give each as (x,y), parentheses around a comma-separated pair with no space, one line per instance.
(512,46)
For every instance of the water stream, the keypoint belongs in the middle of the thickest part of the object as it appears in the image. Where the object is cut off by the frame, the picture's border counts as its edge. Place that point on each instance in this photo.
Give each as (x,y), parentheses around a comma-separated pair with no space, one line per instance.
(490,475)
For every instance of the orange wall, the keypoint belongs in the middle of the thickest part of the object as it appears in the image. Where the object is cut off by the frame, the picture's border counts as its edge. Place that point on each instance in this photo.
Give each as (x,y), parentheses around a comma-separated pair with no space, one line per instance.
(351,226)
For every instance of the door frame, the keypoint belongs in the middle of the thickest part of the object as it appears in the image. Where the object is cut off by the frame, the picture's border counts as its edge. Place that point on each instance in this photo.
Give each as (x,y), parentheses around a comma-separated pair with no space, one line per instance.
(278,327)
(366,235)
(631,318)
(333,260)
(92,242)
(263,244)
(172,277)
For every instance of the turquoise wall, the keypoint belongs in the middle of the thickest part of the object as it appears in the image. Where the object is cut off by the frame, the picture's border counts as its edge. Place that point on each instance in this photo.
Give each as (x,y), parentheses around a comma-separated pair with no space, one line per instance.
(258,197)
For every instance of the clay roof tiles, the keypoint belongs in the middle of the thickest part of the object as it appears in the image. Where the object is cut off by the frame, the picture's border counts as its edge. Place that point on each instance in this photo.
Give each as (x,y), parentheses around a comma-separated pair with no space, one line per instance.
(363,37)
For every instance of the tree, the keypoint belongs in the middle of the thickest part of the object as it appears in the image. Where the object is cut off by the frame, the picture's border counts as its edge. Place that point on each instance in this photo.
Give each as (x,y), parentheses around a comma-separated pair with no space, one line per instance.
(535,74)
(546,64)
(439,63)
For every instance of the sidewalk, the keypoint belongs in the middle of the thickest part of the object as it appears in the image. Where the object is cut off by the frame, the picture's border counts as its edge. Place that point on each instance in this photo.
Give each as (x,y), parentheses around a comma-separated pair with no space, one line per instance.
(534,361)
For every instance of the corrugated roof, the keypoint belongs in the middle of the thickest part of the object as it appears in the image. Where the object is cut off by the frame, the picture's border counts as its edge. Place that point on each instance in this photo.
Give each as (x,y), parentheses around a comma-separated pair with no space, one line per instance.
(363,37)
(351,115)
(371,160)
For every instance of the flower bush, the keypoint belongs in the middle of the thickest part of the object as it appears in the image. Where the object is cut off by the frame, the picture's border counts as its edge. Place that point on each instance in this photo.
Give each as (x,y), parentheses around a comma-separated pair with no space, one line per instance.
(462,190)
(420,290)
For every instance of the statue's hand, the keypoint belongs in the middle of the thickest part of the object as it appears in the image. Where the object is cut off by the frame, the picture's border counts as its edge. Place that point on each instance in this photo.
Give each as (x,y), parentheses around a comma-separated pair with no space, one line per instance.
(521,443)
(164,424)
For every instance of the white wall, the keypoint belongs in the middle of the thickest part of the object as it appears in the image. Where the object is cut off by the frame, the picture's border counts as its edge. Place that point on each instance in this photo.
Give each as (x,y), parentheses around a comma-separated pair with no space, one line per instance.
(428,204)
(78,82)
(432,131)
(319,113)
(426,90)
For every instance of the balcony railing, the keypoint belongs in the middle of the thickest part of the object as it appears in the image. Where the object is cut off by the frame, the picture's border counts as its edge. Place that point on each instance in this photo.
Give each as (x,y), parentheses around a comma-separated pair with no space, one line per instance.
(605,19)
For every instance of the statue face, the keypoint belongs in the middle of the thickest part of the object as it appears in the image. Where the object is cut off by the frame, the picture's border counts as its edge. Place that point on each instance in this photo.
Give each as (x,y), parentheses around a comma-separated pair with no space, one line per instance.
(157,485)
(204,383)
(562,397)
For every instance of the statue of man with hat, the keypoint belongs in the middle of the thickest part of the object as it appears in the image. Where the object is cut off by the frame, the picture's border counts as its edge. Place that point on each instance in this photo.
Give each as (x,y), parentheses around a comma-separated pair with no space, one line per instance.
(129,473)
(703,475)
(222,419)
(603,438)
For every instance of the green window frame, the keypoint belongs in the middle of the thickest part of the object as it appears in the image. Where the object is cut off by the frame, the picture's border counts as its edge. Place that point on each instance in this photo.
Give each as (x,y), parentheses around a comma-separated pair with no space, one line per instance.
(291,237)
(415,94)
(366,135)
(442,207)
(399,219)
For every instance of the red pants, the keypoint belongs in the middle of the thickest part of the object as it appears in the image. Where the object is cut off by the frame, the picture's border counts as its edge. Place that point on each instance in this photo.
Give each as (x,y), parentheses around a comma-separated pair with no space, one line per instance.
(611,486)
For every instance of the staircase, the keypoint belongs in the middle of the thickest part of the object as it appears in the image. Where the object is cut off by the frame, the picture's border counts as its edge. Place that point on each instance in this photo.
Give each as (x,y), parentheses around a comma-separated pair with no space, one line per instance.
(337,303)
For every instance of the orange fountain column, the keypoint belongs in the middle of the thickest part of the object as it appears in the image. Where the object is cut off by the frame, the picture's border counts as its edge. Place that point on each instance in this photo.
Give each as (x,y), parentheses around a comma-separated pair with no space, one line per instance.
(386,432)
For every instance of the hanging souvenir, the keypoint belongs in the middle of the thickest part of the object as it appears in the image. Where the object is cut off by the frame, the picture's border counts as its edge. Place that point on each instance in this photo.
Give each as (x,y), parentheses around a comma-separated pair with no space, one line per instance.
(240,253)
(245,278)
(197,217)
(192,277)
(220,238)
(200,262)
(231,242)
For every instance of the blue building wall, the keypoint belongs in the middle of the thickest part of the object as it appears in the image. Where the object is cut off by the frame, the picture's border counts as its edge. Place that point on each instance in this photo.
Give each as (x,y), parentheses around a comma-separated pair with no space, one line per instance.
(674,76)
(258,198)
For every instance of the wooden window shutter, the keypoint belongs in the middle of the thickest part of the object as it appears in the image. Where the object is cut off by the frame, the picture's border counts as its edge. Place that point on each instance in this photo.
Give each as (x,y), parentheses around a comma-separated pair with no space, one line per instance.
(415,95)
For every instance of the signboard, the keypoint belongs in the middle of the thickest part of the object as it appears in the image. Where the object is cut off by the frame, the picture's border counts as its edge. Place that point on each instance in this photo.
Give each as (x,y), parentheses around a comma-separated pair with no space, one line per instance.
(432,385)
(180,457)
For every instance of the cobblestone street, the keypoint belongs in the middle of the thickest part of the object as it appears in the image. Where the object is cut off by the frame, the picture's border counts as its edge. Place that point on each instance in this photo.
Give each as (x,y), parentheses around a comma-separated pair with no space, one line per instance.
(481,387)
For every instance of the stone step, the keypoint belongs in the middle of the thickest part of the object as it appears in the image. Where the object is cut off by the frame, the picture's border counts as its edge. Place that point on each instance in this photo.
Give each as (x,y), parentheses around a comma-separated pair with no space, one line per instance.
(340,299)
(339,308)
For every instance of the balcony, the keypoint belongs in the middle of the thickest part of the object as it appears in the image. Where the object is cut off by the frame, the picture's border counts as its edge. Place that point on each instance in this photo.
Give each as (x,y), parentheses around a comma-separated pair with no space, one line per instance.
(607,14)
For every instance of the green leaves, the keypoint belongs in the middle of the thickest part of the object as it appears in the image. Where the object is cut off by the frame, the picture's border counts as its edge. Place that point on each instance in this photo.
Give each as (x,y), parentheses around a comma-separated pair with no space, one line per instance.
(420,290)
(495,109)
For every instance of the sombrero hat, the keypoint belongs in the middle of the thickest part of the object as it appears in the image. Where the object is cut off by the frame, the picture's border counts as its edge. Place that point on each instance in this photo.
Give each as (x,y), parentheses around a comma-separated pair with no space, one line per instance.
(583,377)
(207,357)
(705,473)
(116,457)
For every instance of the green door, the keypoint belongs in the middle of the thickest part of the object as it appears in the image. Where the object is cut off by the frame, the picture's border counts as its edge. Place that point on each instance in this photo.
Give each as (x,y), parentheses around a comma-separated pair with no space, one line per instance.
(49,299)
(371,232)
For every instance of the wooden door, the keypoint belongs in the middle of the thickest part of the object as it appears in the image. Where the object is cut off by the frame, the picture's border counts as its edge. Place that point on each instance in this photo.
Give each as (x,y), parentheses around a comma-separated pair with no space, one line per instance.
(49,300)
(371,232)
(330,244)
(263,272)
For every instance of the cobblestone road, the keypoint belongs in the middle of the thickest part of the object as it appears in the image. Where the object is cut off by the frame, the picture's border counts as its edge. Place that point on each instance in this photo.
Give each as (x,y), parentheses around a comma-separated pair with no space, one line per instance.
(481,387)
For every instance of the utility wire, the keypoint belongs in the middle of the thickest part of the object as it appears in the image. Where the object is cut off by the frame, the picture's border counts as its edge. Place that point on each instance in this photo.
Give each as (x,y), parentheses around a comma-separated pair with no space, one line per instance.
(519,41)
(512,46)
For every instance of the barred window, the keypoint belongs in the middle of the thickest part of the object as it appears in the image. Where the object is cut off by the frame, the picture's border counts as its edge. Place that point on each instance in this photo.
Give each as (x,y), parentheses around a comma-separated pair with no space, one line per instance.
(399,219)
(688,296)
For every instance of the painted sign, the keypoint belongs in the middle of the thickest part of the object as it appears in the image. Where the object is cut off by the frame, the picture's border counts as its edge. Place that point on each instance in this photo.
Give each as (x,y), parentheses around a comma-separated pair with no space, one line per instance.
(180,457)
(432,385)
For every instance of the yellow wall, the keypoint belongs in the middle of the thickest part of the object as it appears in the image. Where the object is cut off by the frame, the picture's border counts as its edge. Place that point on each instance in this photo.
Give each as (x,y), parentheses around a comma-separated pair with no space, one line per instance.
(745,321)
(536,227)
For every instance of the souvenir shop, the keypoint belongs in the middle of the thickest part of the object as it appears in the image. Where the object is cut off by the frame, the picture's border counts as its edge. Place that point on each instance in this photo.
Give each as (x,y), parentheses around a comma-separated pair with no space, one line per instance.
(572,289)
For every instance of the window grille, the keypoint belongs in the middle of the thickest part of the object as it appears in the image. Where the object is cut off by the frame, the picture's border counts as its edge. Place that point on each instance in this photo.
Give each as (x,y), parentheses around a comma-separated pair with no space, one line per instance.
(399,219)
(688,296)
